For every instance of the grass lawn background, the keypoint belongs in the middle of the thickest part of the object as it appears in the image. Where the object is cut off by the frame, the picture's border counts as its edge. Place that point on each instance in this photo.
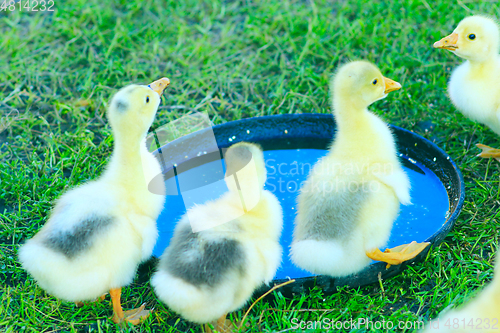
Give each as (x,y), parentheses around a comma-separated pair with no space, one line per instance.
(234,59)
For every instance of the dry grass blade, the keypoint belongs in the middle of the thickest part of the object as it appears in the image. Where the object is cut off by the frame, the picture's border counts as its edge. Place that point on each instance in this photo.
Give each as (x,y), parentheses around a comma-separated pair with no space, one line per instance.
(261,297)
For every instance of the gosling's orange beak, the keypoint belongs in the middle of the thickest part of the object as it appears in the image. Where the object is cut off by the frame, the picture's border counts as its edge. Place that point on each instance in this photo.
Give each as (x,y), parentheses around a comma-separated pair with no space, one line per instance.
(448,42)
(160,85)
(391,85)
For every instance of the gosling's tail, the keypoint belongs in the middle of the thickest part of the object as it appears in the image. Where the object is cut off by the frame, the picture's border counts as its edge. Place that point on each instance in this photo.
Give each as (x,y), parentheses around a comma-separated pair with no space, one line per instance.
(328,257)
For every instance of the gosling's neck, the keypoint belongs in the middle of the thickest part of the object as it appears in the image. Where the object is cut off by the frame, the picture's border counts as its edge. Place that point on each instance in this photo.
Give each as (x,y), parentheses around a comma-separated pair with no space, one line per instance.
(360,134)
(350,116)
(484,67)
(128,146)
(125,166)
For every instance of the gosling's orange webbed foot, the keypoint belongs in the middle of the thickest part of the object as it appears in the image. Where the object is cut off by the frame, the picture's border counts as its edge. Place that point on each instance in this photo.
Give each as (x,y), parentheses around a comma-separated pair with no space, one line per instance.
(398,254)
(488,152)
(135,316)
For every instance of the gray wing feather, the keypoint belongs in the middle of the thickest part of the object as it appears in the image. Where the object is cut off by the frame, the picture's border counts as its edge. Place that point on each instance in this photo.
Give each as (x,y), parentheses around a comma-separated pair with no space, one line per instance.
(329,215)
(80,238)
(201,262)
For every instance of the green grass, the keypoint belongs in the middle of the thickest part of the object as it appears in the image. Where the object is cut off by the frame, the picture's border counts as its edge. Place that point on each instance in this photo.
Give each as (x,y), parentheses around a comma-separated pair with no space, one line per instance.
(233,59)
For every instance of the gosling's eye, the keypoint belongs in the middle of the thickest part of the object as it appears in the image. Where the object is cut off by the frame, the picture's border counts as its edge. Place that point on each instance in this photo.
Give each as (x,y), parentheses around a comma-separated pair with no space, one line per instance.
(374,82)
(472,36)
(147,99)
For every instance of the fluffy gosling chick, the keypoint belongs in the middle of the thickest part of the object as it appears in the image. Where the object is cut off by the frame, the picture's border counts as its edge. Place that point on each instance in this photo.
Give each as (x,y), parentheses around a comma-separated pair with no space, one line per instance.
(99,232)
(474,86)
(205,275)
(350,200)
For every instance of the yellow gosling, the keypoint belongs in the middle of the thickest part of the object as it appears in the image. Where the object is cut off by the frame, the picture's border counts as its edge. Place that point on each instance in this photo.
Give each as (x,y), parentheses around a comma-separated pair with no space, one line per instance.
(206,274)
(351,198)
(474,86)
(99,232)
